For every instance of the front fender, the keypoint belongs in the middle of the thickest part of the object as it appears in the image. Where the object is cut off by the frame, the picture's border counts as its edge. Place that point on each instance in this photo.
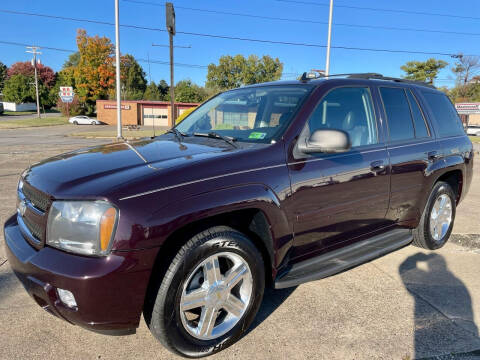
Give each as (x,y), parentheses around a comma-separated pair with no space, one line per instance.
(175,215)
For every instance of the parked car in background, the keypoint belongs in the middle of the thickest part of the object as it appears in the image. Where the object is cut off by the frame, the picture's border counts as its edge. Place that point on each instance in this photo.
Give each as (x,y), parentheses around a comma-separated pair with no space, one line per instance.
(271,184)
(473,130)
(83,120)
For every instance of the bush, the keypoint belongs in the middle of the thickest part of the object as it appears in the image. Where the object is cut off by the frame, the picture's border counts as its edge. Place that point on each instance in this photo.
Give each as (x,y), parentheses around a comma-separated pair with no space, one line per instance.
(74,108)
(184,115)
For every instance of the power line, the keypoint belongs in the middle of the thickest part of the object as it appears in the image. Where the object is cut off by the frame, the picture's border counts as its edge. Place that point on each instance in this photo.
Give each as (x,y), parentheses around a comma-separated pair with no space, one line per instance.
(237,38)
(410,12)
(298,20)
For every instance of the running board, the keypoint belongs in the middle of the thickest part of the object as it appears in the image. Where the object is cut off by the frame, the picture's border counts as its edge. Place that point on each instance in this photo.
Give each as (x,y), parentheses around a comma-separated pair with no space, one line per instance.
(345,258)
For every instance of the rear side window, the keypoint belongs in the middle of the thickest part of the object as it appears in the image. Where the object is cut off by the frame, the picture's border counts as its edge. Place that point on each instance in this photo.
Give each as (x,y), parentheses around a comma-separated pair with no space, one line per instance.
(400,123)
(418,119)
(446,116)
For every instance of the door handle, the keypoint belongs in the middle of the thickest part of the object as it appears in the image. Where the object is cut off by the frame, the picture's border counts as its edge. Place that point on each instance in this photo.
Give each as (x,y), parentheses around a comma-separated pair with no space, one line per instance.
(432,155)
(377,166)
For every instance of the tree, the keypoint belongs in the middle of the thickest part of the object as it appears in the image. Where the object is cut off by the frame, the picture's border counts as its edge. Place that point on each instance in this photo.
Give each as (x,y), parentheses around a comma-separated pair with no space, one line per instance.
(186,91)
(3,75)
(45,74)
(425,71)
(73,60)
(232,72)
(164,89)
(133,78)
(21,89)
(466,68)
(95,74)
(152,92)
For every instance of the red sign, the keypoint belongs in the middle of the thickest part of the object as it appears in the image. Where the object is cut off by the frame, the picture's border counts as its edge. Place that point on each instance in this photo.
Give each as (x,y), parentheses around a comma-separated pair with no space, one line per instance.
(111,106)
(66,91)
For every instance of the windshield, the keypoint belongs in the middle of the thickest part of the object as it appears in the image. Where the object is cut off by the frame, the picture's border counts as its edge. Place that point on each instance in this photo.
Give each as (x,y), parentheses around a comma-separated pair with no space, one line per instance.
(257,114)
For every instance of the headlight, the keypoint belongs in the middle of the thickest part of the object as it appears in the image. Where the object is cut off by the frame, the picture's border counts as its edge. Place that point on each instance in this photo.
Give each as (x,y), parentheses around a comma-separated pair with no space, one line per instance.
(83,227)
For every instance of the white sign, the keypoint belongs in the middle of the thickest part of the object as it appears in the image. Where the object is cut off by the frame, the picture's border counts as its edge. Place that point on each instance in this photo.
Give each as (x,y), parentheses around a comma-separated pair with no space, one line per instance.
(66,91)
(468,108)
(112,106)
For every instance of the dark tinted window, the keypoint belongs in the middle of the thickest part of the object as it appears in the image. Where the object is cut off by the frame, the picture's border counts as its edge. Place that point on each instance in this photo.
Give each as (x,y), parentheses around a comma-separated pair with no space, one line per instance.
(400,124)
(420,126)
(349,109)
(445,114)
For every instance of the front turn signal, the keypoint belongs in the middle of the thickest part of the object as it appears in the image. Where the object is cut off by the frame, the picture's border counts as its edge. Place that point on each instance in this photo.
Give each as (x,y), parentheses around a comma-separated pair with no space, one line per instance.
(107,225)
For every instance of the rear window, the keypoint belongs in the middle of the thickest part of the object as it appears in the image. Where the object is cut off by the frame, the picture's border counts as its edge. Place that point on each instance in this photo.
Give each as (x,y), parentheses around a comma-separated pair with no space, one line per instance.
(447,119)
(400,124)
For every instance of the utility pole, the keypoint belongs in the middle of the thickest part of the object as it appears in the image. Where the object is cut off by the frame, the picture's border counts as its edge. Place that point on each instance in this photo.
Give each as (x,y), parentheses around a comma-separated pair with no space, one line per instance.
(170,22)
(117,65)
(327,65)
(34,50)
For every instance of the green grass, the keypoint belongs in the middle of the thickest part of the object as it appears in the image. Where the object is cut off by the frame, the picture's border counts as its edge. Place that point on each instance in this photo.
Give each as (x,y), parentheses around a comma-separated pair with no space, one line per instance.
(112,134)
(475,139)
(33,122)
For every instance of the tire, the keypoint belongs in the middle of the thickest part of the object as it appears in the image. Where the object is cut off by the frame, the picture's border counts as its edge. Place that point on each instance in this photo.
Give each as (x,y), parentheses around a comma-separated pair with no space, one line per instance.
(75,122)
(171,326)
(423,236)
(93,123)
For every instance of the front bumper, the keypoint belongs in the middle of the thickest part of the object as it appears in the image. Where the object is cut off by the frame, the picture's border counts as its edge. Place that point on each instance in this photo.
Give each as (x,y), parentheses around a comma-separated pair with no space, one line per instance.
(109,291)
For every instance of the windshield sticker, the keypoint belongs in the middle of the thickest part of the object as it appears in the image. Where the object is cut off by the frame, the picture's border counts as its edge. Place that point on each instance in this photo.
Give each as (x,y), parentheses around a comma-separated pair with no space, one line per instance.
(257,135)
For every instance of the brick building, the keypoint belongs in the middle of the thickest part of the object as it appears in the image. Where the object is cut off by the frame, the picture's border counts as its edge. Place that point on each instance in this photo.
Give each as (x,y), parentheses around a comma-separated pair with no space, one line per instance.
(139,112)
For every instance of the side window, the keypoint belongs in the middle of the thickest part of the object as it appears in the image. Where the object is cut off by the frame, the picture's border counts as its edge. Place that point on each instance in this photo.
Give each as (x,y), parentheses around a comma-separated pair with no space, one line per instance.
(349,109)
(421,130)
(400,125)
(446,116)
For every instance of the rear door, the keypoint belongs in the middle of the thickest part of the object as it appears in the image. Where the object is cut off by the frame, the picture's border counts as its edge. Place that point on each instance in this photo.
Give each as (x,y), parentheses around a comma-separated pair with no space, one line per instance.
(412,149)
(340,197)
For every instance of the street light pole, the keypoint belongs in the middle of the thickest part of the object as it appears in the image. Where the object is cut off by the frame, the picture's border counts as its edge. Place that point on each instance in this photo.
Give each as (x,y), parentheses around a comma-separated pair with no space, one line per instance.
(327,65)
(117,65)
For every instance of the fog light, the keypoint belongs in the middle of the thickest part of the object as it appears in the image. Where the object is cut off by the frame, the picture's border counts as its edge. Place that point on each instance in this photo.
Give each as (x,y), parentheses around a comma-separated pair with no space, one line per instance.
(67,298)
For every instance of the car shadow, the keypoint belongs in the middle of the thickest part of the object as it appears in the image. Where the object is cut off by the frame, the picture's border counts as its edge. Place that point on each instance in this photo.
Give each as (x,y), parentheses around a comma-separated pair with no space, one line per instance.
(272,299)
(443,314)
(7,282)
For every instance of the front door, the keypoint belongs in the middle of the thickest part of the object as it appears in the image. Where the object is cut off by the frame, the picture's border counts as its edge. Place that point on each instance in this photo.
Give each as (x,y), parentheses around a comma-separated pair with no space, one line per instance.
(340,197)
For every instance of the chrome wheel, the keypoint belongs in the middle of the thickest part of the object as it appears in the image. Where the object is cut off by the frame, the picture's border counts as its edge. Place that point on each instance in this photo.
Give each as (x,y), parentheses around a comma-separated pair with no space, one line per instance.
(440,217)
(216,296)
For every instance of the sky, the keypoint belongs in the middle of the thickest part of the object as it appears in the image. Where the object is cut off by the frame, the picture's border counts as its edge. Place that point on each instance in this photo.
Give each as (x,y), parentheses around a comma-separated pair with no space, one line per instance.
(464,17)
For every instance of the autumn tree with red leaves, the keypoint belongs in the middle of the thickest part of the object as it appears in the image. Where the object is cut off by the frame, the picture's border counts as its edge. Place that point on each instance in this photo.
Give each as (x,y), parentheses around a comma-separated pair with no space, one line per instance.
(45,74)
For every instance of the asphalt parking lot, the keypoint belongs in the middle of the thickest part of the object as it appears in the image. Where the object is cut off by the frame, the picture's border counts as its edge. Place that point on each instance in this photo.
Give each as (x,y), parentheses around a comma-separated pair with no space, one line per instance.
(409,304)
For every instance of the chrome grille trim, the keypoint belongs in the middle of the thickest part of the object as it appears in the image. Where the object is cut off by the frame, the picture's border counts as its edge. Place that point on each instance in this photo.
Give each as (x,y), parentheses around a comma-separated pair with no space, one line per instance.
(26,231)
(38,200)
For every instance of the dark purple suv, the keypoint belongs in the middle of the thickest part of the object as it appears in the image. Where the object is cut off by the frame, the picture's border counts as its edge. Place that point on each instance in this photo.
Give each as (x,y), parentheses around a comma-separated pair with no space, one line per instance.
(268,185)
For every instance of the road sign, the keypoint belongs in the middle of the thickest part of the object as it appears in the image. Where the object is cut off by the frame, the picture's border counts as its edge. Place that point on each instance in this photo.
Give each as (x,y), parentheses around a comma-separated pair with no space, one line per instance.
(66,99)
(66,91)
(468,108)
(66,94)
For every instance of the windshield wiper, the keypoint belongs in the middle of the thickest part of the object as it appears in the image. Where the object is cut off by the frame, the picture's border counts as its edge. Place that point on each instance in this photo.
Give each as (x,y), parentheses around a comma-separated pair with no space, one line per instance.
(178,134)
(215,135)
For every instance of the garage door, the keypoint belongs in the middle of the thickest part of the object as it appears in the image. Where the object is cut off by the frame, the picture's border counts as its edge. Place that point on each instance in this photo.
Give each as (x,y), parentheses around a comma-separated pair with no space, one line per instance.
(159,115)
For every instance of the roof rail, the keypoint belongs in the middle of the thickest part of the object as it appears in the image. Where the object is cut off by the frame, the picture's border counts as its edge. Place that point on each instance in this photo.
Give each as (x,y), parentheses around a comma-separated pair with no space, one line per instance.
(374,76)
(388,78)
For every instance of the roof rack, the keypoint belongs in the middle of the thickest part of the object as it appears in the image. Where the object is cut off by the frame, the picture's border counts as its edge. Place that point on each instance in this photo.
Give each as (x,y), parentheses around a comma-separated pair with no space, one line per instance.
(373,76)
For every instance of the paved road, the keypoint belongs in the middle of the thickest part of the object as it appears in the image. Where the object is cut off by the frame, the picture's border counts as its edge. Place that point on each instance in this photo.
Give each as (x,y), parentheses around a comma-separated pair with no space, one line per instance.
(409,304)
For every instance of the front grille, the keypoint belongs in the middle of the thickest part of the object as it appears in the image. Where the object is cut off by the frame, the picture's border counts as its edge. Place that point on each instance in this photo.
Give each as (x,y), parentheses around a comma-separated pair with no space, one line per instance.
(37,230)
(34,214)
(36,197)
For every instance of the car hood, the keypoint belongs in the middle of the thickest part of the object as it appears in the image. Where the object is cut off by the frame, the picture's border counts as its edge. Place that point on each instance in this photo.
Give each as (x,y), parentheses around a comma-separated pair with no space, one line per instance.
(95,171)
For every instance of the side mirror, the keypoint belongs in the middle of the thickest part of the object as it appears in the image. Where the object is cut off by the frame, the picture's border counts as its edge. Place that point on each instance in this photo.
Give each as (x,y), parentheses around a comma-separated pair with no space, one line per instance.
(325,141)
